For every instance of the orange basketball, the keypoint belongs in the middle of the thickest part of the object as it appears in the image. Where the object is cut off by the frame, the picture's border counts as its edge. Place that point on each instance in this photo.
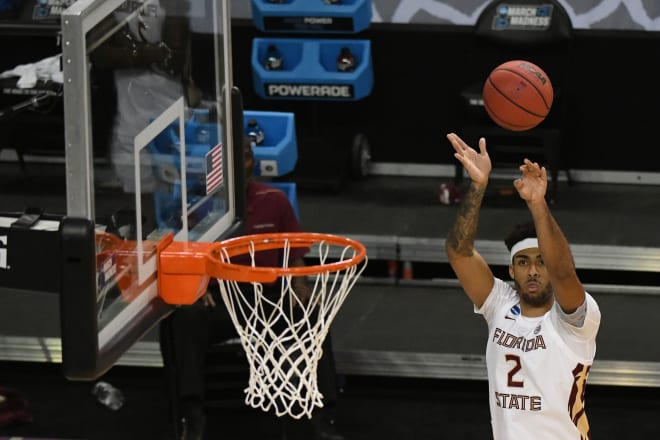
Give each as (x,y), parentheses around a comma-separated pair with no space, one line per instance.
(518,95)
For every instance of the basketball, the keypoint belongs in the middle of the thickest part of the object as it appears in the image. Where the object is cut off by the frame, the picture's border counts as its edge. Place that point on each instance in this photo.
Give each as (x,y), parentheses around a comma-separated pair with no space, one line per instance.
(518,95)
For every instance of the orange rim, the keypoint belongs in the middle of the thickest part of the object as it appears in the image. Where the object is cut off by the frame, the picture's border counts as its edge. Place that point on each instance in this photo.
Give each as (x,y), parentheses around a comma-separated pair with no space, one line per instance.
(262,242)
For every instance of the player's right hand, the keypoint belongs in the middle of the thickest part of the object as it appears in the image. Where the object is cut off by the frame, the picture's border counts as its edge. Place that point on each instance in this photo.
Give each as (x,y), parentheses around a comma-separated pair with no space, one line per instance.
(477,164)
(533,183)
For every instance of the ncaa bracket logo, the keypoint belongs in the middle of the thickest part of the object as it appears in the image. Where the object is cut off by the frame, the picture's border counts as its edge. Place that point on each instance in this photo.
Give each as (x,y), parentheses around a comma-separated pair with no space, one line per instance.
(522,17)
(3,252)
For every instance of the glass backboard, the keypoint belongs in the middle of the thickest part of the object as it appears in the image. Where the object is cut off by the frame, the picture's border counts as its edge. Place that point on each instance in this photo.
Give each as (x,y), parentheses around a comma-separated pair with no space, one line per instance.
(133,89)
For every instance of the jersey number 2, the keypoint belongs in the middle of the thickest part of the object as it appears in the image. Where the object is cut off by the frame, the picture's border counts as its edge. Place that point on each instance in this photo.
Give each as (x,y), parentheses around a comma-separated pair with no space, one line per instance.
(517,366)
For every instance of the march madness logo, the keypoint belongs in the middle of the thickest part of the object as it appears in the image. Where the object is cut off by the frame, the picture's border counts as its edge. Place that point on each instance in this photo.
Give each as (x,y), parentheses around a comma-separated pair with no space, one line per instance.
(522,17)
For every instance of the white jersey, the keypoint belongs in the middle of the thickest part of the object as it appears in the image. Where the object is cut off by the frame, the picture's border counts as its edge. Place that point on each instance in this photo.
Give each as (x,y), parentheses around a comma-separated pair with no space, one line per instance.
(537,369)
(142,95)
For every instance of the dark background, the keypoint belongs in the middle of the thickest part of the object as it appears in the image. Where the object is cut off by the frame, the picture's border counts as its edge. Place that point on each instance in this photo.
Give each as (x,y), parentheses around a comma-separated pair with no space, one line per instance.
(419,71)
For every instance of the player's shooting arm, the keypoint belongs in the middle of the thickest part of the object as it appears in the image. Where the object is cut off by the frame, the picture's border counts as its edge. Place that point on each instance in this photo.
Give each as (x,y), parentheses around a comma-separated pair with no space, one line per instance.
(468,265)
(557,257)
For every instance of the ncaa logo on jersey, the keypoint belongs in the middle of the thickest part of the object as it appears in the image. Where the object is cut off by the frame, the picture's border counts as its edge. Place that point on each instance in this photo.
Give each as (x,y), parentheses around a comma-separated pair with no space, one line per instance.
(3,252)
(513,312)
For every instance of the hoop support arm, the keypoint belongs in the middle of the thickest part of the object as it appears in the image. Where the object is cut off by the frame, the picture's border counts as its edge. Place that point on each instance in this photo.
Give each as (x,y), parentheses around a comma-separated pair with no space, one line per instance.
(185,268)
(182,274)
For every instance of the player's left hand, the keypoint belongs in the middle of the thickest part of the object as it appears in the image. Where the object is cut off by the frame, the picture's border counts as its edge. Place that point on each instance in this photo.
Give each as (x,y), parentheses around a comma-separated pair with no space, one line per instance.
(533,183)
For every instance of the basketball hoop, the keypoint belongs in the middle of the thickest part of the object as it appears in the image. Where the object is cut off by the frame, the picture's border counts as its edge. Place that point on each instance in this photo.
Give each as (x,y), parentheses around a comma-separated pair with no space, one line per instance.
(281,333)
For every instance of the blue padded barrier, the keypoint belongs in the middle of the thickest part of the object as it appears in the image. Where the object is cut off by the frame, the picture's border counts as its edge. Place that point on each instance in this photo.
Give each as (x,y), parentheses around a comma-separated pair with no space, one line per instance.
(278,154)
(309,16)
(309,70)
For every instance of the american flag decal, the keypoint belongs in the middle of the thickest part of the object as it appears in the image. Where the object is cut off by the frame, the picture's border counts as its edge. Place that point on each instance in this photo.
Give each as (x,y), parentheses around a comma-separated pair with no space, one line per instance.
(213,168)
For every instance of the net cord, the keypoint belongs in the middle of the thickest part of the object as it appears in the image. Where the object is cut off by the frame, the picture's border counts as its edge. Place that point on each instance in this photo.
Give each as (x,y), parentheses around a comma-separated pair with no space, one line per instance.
(283,339)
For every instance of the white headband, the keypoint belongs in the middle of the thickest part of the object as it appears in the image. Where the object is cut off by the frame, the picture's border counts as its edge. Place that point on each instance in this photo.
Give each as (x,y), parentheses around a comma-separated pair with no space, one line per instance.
(526,243)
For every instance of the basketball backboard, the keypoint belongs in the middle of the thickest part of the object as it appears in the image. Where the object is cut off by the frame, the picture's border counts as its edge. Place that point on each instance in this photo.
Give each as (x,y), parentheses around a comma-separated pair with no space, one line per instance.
(173,170)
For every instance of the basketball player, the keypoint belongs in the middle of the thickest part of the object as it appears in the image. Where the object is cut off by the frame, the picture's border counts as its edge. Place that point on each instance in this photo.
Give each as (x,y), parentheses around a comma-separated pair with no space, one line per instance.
(193,328)
(542,330)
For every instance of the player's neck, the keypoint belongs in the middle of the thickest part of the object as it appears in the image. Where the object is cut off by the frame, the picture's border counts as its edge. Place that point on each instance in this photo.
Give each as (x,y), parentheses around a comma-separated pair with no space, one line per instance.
(534,311)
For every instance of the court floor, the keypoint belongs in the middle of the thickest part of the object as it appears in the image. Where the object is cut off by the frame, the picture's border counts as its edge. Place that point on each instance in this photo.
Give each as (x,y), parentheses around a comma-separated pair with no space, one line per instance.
(370,408)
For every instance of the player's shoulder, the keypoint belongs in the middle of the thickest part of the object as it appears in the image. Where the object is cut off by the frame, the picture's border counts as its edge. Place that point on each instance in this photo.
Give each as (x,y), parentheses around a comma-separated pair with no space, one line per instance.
(502,297)
(504,289)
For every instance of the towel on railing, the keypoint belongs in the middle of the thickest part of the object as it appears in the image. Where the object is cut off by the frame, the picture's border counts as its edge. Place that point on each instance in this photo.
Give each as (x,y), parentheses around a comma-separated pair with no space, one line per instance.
(48,69)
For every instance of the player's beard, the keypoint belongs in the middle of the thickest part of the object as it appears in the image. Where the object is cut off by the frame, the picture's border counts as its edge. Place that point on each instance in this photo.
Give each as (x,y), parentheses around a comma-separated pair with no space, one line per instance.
(537,300)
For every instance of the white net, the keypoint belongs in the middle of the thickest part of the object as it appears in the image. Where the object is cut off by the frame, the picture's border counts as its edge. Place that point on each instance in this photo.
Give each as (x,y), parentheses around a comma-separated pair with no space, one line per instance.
(282,329)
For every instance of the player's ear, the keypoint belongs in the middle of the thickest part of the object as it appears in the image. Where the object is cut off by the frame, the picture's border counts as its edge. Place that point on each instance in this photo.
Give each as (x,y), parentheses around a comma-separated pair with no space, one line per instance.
(511,271)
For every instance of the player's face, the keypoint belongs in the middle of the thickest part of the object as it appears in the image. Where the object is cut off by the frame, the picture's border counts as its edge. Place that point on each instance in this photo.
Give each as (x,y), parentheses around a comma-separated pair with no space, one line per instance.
(530,277)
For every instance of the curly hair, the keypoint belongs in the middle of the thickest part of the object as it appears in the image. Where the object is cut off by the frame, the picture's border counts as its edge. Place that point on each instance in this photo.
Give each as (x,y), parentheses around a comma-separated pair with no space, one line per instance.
(520,232)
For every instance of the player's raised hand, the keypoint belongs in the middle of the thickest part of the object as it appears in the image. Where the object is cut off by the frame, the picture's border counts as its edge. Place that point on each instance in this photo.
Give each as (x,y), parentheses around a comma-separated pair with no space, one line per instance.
(533,183)
(476,163)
